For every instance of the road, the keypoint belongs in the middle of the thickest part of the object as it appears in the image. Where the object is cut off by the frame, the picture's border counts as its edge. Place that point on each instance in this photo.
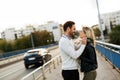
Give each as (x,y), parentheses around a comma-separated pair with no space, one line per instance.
(17,70)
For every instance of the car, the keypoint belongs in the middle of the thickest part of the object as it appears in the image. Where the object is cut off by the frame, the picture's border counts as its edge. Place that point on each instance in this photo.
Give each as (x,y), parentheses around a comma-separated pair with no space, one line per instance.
(36,56)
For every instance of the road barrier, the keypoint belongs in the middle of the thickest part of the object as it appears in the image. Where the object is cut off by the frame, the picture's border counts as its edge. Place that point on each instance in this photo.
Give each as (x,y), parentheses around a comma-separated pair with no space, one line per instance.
(18,52)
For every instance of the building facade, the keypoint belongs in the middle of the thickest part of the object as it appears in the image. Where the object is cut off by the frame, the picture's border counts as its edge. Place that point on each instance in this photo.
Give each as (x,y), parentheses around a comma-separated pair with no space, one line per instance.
(8,34)
(53,27)
(12,34)
(109,20)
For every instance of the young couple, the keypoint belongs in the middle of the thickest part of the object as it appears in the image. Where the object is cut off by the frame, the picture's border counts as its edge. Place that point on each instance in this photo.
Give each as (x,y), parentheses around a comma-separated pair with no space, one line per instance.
(72,53)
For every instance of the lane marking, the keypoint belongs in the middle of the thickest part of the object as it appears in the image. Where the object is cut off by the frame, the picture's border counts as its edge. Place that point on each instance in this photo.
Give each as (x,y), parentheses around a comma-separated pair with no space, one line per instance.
(10,73)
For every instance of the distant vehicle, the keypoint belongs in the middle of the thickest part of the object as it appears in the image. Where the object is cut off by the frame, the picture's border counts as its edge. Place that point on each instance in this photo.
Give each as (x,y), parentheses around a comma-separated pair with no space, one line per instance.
(36,56)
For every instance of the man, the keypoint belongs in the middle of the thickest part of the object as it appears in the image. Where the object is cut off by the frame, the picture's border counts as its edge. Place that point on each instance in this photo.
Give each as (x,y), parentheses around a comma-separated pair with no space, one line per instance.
(68,52)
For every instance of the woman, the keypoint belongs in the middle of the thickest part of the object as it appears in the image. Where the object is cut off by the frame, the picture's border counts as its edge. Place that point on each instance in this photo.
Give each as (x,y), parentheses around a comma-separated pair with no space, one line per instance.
(88,58)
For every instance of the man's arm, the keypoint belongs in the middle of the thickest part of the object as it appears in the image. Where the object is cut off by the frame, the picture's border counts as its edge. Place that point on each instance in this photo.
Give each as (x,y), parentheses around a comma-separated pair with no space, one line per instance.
(68,49)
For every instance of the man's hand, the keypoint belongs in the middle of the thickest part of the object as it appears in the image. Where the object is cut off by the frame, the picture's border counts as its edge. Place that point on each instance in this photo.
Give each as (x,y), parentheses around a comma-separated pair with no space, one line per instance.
(84,40)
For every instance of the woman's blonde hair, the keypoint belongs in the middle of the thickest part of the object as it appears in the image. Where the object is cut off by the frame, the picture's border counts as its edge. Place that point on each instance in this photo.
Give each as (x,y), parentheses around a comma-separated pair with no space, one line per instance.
(89,33)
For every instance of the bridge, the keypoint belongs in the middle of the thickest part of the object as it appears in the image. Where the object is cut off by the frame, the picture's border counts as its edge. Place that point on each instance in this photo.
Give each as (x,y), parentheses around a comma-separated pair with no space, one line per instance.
(108,56)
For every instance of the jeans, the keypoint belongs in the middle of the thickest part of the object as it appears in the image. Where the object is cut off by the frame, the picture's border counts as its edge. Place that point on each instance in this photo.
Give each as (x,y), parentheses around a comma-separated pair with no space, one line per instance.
(70,74)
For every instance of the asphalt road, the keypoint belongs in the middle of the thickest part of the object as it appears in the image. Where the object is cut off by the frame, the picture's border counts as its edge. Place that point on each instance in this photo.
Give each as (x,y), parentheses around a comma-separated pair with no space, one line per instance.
(17,70)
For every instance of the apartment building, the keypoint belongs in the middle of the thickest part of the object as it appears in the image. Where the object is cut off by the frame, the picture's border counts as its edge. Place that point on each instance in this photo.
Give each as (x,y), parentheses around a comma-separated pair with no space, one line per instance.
(109,20)
(12,34)
(28,30)
(8,34)
(53,27)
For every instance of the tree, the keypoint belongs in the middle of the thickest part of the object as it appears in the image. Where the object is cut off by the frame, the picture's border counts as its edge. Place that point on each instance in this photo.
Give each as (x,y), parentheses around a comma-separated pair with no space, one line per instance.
(105,32)
(23,43)
(2,45)
(111,25)
(97,32)
(42,38)
(115,35)
(6,46)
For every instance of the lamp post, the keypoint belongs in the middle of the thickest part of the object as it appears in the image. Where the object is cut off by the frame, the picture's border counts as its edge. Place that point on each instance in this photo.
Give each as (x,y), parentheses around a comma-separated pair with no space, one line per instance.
(32,41)
(102,36)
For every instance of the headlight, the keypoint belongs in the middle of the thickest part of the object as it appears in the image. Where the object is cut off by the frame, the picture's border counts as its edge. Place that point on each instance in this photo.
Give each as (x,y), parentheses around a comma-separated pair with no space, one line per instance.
(25,54)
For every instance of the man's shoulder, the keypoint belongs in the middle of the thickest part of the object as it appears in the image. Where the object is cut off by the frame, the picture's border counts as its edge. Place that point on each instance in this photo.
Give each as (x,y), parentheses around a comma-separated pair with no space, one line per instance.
(62,39)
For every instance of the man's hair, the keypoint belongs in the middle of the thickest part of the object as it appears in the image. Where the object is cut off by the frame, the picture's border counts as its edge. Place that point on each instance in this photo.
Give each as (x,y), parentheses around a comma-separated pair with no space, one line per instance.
(68,24)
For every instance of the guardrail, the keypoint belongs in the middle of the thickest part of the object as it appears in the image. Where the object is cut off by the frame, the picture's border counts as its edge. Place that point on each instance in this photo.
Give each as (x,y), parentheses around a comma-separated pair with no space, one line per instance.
(18,52)
(35,75)
(111,52)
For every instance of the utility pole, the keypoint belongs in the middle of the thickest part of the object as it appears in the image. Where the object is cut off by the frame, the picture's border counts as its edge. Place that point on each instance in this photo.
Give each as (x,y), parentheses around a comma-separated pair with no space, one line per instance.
(32,40)
(102,36)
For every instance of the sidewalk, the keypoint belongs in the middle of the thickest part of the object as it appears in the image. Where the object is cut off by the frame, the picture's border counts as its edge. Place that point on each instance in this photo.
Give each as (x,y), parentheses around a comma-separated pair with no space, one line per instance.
(104,71)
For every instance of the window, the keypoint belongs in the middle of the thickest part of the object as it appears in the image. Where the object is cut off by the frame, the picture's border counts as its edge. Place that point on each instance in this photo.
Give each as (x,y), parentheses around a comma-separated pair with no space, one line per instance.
(55,27)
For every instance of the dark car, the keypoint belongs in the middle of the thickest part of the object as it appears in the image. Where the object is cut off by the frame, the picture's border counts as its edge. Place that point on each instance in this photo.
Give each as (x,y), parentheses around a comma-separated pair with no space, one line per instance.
(36,56)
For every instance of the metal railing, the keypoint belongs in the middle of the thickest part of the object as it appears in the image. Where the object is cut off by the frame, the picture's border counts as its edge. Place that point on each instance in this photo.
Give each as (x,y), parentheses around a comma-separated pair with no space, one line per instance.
(111,52)
(18,52)
(41,71)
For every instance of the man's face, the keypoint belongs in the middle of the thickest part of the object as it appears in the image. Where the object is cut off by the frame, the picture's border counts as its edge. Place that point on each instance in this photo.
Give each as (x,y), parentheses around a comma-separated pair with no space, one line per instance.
(72,31)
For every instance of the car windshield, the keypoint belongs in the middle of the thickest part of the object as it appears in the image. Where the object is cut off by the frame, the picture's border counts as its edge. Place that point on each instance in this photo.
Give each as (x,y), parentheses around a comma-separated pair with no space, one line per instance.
(33,52)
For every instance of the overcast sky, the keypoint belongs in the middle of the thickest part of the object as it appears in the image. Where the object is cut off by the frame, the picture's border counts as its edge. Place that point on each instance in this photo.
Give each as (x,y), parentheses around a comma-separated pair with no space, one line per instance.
(19,13)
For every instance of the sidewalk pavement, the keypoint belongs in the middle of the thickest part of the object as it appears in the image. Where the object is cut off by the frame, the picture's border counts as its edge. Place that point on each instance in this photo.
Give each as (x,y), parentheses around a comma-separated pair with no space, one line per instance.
(105,71)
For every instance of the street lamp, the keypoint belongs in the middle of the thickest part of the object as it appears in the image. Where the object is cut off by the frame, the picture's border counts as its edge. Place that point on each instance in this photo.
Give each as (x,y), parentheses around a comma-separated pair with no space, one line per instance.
(32,40)
(102,36)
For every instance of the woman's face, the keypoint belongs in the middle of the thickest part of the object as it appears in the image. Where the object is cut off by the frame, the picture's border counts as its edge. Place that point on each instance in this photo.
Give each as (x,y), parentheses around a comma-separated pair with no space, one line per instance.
(82,34)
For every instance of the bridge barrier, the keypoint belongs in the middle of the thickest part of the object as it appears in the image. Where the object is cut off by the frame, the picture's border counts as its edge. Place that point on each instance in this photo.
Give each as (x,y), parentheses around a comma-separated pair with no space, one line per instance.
(111,52)
(19,52)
